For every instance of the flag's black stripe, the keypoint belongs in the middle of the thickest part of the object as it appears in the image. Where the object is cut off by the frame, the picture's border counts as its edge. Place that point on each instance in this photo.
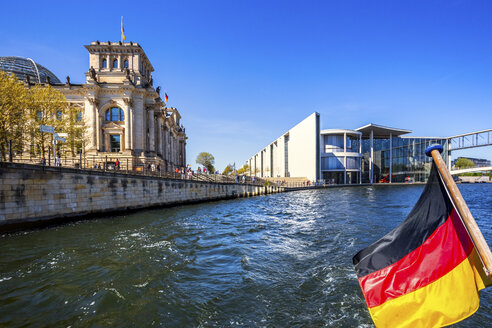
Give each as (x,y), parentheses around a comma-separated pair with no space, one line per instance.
(431,210)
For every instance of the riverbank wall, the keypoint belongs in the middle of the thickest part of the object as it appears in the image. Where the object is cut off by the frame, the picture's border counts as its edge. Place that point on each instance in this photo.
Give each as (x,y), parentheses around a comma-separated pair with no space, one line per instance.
(34,195)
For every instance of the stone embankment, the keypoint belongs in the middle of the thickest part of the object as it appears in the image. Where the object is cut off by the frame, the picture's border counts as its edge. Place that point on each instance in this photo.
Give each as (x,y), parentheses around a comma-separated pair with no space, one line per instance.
(32,195)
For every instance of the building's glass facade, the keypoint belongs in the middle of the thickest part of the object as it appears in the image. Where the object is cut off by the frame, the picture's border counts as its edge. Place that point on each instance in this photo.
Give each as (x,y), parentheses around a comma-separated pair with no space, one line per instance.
(407,159)
(340,157)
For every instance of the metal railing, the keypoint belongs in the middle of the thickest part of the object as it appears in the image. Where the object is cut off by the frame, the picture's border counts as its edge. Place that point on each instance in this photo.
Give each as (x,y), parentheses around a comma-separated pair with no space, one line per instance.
(470,140)
(130,166)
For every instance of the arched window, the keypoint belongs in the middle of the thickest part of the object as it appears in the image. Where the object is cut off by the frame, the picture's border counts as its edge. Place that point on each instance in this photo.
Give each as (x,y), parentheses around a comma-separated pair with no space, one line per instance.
(125,63)
(115,63)
(104,63)
(115,114)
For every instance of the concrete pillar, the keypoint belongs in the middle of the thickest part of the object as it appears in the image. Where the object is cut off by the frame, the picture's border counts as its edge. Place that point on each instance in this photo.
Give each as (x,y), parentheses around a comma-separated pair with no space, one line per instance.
(448,143)
(360,159)
(371,159)
(391,156)
(345,158)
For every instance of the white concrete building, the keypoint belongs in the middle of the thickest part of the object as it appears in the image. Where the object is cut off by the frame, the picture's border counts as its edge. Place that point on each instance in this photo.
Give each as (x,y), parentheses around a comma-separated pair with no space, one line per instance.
(294,154)
(369,154)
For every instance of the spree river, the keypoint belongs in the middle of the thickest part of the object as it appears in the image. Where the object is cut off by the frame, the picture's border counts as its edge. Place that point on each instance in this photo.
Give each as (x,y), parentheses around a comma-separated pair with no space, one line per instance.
(283,260)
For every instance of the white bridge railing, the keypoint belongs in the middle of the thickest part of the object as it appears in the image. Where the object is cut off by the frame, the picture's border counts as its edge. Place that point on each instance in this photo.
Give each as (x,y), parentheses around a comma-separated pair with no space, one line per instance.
(474,169)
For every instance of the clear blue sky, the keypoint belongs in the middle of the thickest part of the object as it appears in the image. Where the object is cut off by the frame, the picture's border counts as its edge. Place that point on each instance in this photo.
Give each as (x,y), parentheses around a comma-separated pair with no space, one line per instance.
(243,72)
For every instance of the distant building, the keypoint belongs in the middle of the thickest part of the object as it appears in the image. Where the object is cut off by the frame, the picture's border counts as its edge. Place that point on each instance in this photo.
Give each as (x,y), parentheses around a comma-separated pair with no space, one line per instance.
(479,162)
(125,116)
(369,154)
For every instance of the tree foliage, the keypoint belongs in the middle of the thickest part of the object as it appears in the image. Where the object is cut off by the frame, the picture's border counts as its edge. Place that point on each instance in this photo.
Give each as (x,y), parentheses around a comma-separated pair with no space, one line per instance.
(227,170)
(13,101)
(23,111)
(244,169)
(207,160)
(464,163)
(47,106)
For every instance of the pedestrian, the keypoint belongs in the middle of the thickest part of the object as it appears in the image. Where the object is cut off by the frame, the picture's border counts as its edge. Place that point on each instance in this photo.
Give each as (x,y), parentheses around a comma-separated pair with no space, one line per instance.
(244,178)
(117,164)
(43,161)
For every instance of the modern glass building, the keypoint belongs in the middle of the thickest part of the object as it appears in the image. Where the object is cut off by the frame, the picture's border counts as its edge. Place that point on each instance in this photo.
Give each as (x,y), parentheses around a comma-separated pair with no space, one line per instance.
(370,154)
(389,156)
(340,156)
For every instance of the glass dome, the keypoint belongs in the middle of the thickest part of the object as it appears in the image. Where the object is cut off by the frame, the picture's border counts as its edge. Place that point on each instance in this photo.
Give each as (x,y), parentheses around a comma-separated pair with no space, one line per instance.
(22,67)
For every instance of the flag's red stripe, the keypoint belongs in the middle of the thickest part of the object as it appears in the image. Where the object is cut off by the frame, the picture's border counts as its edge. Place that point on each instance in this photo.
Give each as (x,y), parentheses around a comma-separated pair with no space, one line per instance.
(448,246)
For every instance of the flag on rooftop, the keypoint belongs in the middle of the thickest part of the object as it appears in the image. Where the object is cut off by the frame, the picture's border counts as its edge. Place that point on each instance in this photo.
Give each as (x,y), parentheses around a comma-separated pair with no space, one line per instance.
(122,29)
(165,97)
(427,271)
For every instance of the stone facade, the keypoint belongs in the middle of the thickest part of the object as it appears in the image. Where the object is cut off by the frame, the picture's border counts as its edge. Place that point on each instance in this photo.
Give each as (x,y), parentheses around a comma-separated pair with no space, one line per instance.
(125,116)
(32,193)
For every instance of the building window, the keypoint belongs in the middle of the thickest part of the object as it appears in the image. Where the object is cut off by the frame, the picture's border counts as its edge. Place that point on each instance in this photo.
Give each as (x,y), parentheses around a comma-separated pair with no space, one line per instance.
(115,114)
(115,63)
(79,117)
(58,116)
(125,63)
(331,163)
(104,63)
(114,143)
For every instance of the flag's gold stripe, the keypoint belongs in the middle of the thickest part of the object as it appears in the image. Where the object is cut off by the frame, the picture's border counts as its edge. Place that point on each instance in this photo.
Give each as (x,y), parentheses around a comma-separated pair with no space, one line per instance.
(448,300)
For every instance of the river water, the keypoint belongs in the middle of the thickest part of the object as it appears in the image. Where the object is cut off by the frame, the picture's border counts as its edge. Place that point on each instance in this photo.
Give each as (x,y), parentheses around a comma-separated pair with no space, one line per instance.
(283,260)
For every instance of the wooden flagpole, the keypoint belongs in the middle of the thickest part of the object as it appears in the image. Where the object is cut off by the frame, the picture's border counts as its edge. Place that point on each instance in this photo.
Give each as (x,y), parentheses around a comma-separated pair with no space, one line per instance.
(463,210)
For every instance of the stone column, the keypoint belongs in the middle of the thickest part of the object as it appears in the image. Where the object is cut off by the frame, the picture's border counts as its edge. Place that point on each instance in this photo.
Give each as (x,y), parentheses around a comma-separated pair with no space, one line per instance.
(159,136)
(95,124)
(128,133)
(98,131)
(151,130)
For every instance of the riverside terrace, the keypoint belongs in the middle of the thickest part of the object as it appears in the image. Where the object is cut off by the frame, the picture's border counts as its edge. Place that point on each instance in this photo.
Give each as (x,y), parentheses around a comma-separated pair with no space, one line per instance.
(109,165)
(91,163)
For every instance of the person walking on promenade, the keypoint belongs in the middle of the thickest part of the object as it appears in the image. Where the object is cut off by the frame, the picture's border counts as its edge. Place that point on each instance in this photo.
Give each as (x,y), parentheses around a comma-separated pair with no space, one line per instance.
(43,161)
(117,164)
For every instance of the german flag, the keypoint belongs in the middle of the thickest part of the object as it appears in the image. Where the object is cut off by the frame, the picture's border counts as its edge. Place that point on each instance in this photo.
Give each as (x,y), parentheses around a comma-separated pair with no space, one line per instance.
(426,272)
(165,97)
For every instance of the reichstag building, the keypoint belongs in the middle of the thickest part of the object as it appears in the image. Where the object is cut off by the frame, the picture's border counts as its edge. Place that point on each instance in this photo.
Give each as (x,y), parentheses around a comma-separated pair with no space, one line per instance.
(125,116)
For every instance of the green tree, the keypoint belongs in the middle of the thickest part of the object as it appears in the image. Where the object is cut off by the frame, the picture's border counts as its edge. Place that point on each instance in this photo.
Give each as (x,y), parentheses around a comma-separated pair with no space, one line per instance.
(207,160)
(227,170)
(13,101)
(47,106)
(75,129)
(244,169)
(464,163)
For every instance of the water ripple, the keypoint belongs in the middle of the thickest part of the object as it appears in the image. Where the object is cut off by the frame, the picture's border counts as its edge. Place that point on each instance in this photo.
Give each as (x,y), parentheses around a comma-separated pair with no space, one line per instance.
(282,260)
